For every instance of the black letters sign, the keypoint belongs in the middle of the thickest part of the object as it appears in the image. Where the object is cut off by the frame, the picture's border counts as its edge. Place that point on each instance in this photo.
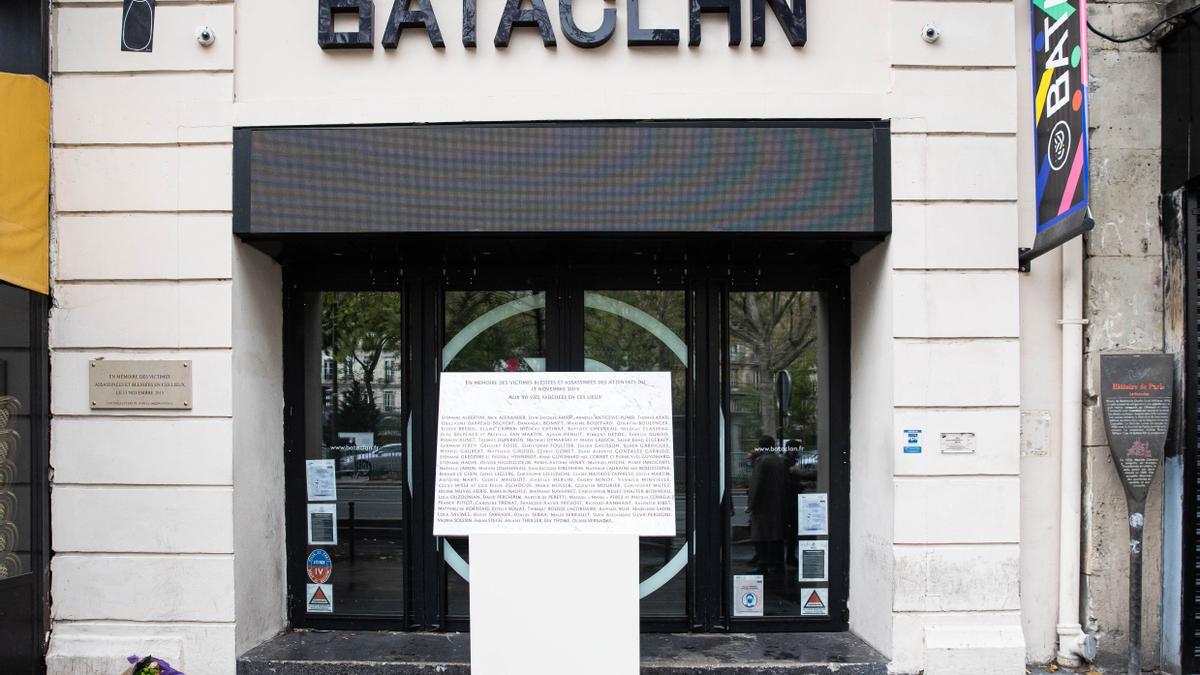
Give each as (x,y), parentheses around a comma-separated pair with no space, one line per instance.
(1136,394)
(793,20)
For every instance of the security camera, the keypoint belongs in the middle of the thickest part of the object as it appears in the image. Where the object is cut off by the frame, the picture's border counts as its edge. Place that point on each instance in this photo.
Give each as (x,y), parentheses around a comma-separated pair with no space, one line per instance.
(930,33)
(205,36)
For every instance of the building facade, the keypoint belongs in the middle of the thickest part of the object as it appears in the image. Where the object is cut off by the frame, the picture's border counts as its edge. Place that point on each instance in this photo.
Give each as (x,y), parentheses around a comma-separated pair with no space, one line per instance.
(322,206)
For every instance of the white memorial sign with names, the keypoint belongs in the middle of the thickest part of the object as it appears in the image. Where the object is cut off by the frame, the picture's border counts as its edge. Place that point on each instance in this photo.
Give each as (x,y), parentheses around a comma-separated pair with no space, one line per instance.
(555,453)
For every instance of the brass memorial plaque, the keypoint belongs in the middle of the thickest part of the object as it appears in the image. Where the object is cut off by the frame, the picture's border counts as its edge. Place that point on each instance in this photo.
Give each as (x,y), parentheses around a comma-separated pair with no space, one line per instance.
(140,385)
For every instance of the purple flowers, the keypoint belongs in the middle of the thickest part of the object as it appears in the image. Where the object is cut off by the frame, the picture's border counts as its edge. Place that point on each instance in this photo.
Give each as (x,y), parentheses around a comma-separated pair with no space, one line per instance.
(152,666)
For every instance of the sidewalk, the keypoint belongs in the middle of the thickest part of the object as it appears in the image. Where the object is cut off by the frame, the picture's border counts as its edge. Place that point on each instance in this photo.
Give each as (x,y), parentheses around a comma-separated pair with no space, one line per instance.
(1093,669)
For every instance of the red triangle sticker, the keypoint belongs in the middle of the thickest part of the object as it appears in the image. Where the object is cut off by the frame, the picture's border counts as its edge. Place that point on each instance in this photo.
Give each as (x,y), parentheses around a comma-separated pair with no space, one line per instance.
(319,597)
(814,600)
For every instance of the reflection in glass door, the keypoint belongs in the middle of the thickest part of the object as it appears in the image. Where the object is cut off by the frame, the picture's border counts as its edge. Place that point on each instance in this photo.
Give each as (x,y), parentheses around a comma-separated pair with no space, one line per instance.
(774,509)
(487,331)
(645,331)
(355,454)
(505,331)
(779,459)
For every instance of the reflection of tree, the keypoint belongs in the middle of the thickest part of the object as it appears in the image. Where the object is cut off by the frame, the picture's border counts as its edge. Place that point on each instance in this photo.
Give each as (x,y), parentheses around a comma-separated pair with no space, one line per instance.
(360,328)
(624,345)
(778,331)
(520,336)
(356,412)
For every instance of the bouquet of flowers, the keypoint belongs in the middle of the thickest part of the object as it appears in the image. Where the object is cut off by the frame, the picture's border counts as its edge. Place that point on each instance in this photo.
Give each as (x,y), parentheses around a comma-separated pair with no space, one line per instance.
(150,666)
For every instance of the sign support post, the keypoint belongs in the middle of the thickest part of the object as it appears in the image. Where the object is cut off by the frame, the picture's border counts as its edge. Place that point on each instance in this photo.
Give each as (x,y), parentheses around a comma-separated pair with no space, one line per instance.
(553,476)
(1136,394)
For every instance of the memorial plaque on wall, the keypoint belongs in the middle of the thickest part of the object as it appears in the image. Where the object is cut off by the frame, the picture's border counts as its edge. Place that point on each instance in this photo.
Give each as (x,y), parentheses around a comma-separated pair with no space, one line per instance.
(140,385)
(555,453)
(1136,393)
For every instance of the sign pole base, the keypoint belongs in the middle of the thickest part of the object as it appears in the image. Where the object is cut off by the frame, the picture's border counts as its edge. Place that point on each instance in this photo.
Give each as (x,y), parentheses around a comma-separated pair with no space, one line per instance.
(554,603)
(1136,521)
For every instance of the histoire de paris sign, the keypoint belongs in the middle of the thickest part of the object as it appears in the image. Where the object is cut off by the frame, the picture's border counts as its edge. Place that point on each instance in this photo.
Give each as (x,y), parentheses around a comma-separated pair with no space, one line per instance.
(532,14)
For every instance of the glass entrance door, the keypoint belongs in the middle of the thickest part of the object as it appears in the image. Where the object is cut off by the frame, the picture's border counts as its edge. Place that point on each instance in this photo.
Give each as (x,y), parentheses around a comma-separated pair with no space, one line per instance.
(613,330)
(487,331)
(645,331)
(761,525)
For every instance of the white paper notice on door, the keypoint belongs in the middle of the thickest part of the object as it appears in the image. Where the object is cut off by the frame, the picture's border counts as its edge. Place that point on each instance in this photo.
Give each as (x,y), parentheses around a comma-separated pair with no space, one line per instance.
(322,524)
(322,480)
(814,514)
(814,560)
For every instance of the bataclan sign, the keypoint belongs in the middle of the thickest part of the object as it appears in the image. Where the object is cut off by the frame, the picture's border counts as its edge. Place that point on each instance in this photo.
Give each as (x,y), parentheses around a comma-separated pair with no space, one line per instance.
(792,19)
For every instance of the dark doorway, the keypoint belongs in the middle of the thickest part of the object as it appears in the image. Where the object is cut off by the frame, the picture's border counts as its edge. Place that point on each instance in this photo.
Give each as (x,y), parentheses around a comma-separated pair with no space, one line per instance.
(23,458)
(371,326)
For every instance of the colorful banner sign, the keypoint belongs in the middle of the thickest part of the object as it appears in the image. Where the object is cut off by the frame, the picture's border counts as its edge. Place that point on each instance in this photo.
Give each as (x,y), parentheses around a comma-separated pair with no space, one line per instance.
(1059,31)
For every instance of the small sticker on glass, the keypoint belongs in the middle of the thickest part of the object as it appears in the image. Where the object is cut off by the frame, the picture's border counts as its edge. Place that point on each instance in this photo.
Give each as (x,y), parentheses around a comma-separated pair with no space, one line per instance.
(814,602)
(322,524)
(814,514)
(320,598)
(747,595)
(322,480)
(814,560)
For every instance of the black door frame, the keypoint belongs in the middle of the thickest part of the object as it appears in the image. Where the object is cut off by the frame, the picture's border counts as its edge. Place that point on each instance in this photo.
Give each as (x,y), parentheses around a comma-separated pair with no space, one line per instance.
(32,619)
(1190,442)
(707,268)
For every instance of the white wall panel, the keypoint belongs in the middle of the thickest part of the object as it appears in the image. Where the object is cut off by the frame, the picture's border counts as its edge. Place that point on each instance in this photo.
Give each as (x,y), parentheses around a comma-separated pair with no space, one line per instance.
(954,373)
(954,236)
(957,510)
(910,629)
(88,39)
(142,519)
(935,100)
(956,304)
(972,33)
(187,178)
(139,314)
(144,246)
(958,168)
(997,440)
(141,451)
(146,108)
(260,565)
(957,578)
(871,484)
(138,587)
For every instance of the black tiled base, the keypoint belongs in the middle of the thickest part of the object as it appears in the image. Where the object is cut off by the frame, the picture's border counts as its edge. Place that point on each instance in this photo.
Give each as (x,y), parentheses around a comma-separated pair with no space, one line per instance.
(384,653)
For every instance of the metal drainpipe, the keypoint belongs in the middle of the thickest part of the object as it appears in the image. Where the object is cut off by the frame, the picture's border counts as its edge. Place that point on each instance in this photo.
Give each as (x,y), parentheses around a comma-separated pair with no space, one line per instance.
(1073,644)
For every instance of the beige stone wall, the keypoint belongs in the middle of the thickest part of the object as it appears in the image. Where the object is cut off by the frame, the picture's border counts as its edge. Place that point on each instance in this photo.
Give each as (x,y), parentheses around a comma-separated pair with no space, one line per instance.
(146,267)
(1124,306)
(144,519)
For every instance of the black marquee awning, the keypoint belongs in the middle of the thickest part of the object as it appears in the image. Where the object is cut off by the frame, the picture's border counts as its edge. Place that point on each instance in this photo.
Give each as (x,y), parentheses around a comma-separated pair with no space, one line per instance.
(830,179)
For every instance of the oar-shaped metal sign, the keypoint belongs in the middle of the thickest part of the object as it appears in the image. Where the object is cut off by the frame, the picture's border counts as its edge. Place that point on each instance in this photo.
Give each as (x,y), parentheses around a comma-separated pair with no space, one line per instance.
(1136,391)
